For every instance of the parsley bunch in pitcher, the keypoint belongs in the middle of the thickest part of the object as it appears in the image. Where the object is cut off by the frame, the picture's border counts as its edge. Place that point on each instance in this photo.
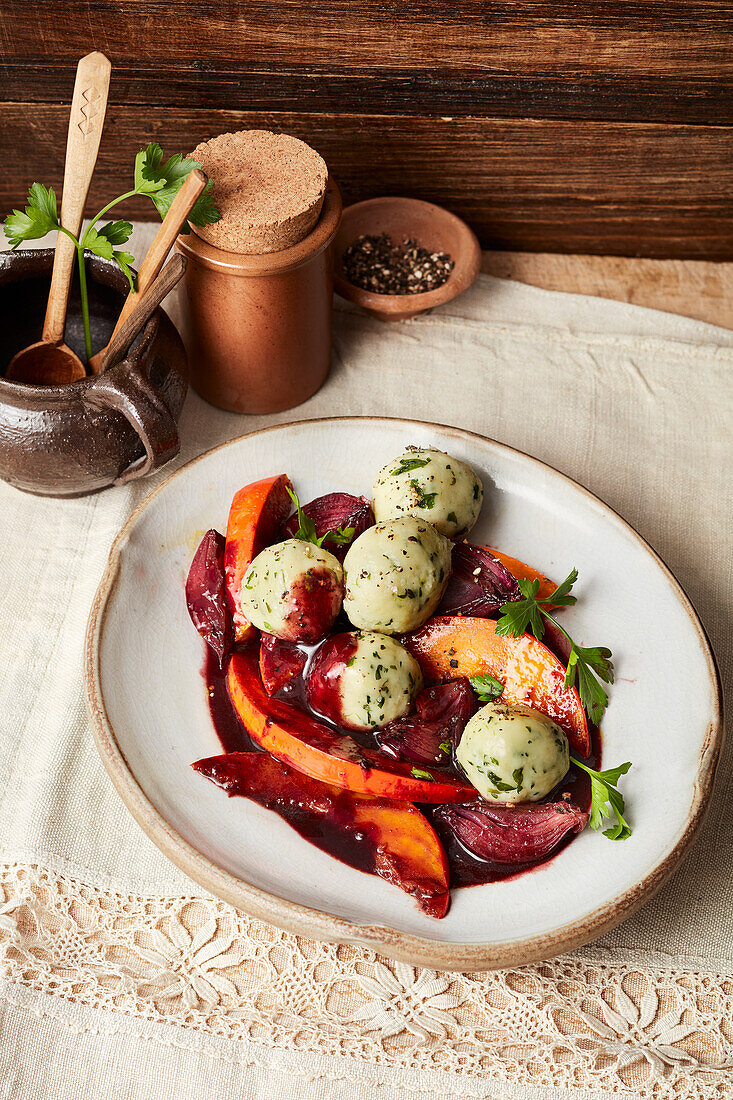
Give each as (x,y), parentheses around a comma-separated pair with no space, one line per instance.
(591,667)
(158,179)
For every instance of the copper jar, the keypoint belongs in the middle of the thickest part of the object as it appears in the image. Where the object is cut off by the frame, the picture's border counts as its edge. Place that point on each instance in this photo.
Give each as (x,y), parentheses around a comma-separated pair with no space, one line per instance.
(257,329)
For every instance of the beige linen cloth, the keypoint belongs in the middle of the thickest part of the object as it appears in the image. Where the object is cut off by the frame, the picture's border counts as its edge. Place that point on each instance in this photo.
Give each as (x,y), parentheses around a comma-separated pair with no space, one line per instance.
(123,979)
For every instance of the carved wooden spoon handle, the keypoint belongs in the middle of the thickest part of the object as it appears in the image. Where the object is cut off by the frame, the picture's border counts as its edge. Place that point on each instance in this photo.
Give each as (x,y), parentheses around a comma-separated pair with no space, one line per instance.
(88,108)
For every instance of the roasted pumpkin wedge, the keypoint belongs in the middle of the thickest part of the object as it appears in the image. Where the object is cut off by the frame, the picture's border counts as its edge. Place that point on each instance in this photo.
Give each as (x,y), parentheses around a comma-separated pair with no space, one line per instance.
(256,517)
(451,646)
(317,750)
(380,836)
(523,572)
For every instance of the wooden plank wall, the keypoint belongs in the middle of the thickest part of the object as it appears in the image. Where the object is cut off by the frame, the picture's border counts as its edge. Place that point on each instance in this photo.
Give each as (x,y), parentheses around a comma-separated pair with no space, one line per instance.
(602,127)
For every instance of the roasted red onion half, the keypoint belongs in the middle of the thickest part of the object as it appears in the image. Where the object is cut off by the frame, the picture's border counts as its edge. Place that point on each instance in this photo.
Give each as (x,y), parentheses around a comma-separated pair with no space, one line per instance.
(280,662)
(332,511)
(512,834)
(206,595)
(479,585)
(431,734)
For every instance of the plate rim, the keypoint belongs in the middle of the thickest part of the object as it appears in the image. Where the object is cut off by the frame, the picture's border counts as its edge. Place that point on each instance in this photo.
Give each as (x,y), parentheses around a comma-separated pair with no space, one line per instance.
(300,919)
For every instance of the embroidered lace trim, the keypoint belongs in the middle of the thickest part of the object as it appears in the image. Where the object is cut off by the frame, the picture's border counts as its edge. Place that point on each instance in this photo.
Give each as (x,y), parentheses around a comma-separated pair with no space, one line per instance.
(200,964)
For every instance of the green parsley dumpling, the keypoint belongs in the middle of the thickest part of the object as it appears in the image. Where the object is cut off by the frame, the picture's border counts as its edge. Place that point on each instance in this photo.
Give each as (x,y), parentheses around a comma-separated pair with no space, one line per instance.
(362,680)
(293,590)
(395,575)
(513,754)
(430,485)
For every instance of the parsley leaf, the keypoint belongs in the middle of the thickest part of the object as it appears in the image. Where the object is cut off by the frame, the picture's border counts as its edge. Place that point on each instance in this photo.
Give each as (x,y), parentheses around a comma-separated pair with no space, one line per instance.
(39,218)
(420,773)
(44,198)
(342,536)
(97,243)
(205,210)
(307,528)
(100,242)
(162,180)
(522,615)
(590,666)
(561,595)
(486,687)
(607,802)
(174,171)
(422,499)
(116,232)
(125,261)
(147,177)
(498,782)
(406,464)
(586,666)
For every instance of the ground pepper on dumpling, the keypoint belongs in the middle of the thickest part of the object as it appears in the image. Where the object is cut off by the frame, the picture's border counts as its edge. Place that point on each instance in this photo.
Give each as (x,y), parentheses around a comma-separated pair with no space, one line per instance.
(430,485)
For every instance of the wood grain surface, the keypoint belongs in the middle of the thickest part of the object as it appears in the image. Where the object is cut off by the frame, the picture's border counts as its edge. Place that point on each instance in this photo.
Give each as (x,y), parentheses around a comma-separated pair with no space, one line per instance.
(692,288)
(595,128)
(643,60)
(503,176)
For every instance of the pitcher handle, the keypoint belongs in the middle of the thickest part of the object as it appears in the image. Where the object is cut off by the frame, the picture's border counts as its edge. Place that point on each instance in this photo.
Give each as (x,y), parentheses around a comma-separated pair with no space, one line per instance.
(126,389)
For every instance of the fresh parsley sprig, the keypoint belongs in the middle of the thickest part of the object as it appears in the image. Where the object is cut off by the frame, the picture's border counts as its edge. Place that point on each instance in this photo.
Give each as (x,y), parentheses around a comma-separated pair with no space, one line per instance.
(607,802)
(342,536)
(487,687)
(159,180)
(586,666)
(162,180)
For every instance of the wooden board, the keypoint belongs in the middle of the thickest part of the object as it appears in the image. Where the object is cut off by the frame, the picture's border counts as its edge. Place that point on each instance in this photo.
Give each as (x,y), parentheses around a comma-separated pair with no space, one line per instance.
(700,290)
(664,190)
(641,59)
(549,124)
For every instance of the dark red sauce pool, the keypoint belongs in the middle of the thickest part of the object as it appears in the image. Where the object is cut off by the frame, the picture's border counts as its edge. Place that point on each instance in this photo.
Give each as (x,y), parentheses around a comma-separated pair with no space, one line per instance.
(465,868)
(230,731)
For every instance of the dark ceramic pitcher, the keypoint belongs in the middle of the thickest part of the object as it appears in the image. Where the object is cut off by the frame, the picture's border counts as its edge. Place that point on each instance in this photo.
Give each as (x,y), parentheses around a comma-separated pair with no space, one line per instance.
(106,429)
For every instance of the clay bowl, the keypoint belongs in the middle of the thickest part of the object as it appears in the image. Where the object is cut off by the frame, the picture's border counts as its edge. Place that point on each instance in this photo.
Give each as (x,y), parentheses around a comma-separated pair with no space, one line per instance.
(105,429)
(431,226)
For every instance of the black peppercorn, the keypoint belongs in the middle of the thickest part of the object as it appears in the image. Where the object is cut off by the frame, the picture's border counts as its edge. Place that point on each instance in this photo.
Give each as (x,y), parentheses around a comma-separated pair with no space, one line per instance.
(379,264)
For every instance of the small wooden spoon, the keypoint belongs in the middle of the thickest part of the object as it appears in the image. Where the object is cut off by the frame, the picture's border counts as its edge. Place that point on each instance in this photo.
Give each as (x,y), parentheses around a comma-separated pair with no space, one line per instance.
(178,211)
(51,362)
(143,309)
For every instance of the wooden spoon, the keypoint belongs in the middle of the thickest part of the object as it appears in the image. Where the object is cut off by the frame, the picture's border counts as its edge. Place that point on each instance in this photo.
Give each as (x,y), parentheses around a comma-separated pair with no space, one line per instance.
(178,211)
(143,309)
(51,362)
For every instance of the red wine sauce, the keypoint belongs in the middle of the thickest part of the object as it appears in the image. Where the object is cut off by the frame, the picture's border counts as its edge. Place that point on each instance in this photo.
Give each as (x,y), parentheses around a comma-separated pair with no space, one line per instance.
(465,868)
(229,729)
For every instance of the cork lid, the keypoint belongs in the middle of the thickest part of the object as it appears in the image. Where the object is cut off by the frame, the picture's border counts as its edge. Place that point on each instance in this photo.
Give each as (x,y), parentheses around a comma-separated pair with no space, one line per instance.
(269,189)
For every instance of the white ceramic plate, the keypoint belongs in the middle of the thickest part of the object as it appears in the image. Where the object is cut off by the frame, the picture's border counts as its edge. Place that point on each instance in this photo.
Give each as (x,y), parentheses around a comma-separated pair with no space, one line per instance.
(148,704)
